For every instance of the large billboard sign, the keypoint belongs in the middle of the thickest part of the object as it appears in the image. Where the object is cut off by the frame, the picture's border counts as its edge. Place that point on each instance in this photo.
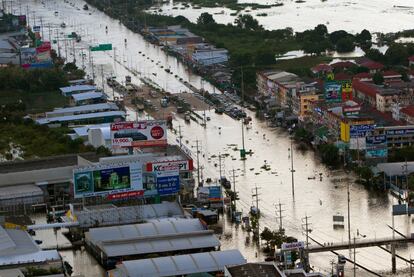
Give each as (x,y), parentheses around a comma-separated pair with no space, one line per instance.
(210,194)
(107,179)
(182,165)
(333,92)
(346,90)
(361,130)
(146,133)
(376,147)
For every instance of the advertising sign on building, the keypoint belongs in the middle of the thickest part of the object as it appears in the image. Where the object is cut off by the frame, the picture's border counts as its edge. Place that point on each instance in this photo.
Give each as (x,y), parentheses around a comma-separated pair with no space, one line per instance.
(376,147)
(215,193)
(361,130)
(107,179)
(147,133)
(293,245)
(333,92)
(351,110)
(168,181)
(346,90)
(183,165)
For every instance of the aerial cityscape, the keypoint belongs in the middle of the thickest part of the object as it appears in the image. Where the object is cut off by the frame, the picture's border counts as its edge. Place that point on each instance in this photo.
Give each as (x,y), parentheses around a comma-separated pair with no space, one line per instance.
(206,138)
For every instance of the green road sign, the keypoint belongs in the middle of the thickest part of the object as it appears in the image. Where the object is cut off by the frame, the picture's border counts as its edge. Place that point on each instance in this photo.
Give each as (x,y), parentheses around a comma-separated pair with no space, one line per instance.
(101,47)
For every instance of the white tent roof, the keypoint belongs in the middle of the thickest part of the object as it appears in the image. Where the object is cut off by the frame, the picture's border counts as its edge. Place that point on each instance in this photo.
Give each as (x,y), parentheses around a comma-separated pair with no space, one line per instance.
(154,237)
(13,192)
(180,265)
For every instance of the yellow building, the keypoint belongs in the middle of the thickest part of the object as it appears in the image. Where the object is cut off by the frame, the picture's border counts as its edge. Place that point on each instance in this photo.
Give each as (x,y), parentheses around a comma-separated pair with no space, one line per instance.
(305,107)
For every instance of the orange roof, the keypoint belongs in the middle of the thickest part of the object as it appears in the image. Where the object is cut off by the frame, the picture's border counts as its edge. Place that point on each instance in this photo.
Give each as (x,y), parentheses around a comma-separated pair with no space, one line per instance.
(409,110)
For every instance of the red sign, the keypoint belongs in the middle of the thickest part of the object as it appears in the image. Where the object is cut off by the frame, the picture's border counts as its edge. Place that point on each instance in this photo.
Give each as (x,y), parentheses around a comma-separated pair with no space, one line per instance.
(147,133)
(44,47)
(157,132)
(128,194)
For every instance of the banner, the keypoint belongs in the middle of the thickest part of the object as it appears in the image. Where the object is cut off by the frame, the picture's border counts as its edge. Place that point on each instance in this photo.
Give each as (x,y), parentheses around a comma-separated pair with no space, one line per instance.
(361,130)
(146,133)
(346,90)
(333,92)
(376,147)
(168,181)
(107,179)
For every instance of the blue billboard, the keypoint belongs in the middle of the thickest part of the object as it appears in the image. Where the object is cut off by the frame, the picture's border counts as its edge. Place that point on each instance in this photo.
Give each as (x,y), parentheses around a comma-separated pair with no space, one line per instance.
(362,130)
(168,182)
(376,147)
(214,193)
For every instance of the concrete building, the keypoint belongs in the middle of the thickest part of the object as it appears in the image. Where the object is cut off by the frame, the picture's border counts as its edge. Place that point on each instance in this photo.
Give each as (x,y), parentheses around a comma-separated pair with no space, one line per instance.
(182,265)
(162,237)
(397,136)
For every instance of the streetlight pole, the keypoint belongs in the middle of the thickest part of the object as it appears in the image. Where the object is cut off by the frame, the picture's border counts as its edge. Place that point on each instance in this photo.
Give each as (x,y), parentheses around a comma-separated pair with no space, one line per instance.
(292,170)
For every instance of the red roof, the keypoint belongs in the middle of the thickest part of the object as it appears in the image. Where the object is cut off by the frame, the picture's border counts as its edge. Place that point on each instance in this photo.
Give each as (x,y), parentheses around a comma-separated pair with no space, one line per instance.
(364,88)
(342,76)
(343,64)
(411,58)
(372,65)
(391,73)
(321,67)
(409,110)
(363,75)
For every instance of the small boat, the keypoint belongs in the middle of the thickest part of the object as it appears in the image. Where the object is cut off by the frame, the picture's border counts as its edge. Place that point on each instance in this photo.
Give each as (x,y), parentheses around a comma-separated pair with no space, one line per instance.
(312,178)
(85,7)
(56,13)
(63,25)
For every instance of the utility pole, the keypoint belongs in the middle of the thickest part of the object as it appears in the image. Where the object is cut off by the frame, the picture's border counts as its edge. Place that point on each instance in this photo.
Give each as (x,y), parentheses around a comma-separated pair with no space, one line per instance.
(349,215)
(354,256)
(255,195)
(220,166)
(411,267)
(279,214)
(179,136)
(198,164)
(234,190)
(243,150)
(393,259)
(306,229)
(292,170)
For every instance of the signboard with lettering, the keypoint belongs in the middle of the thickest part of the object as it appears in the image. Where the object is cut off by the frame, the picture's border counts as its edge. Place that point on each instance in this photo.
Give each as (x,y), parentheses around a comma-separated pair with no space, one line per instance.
(107,179)
(293,245)
(376,147)
(147,133)
(351,110)
(333,92)
(399,132)
(168,181)
(183,165)
(346,90)
(361,130)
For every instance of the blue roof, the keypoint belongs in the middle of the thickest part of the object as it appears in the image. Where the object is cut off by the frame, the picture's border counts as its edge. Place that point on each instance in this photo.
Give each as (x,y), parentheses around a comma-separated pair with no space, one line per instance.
(58,119)
(71,89)
(85,109)
(87,95)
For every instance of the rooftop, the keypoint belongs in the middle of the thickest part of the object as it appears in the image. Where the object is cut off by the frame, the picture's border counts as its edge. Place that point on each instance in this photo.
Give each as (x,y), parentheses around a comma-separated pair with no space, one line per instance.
(255,270)
(84,108)
(409,110)
(180,265)
(394,169)
(14,192)
(87,95)
(174,234)
(76,117)
(77,88)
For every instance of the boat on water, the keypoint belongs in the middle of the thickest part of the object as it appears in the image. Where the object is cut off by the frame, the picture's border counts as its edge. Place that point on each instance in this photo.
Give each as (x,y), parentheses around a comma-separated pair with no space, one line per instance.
(63,25)
(85,7)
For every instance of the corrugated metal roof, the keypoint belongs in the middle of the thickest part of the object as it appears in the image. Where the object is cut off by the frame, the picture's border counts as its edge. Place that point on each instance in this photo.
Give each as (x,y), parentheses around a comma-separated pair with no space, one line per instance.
(87,95)
(71,89)
(79,117)
(84,108)
(181,264)
(105,129)
(154,237)
(12,192)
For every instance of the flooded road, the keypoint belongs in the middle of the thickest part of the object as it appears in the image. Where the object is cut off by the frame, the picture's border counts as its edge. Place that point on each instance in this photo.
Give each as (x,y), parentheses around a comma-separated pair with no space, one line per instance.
(319,199)
(352,16)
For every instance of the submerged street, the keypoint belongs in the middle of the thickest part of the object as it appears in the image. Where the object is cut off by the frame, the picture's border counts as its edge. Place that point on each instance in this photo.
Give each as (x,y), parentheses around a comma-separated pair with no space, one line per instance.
(319,198)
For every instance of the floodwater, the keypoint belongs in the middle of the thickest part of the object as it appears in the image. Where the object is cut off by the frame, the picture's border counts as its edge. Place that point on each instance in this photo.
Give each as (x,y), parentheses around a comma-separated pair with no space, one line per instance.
(318,199)
(352,16)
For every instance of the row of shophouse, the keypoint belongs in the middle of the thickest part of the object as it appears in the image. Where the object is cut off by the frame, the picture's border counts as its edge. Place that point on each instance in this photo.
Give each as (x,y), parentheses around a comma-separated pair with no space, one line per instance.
(341,108)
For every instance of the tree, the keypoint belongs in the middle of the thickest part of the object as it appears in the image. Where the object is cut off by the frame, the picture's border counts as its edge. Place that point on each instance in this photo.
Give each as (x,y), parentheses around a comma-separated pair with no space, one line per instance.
(334,37)
(378,78)
(321,30)
(375,55)
(345,44)
(329,154)
(264,57)
(267,236)
(363,37)
(365,173)
(397,54)
(205,19)
(246,21)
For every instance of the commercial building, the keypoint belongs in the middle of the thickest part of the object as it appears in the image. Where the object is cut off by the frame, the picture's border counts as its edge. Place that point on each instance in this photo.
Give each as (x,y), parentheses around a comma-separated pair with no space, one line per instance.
(162,237)
(397,136)
(95,135)
(109,215)
(172,35)
(81,119)
(70,90)
(19,197)
(182,265)
(85,109)
(18,250)
(87,98)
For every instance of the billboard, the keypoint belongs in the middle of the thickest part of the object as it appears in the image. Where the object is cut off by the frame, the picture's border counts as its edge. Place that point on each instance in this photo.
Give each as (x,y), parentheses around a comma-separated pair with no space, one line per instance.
(351,110)
(398,132)
(376,147)
(333,91)
(346,90)
(107,179)
(361,130)
(168,181)
(147,133)
(183,165)
(209,194)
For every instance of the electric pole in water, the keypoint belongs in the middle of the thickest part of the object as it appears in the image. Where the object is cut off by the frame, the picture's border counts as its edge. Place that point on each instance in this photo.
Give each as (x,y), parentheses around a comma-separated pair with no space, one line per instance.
(349,215)
(234,190)
(279,211)
(306,228)
(179,135)
(354,256)
(292,170)
(198,163)
(255,196)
